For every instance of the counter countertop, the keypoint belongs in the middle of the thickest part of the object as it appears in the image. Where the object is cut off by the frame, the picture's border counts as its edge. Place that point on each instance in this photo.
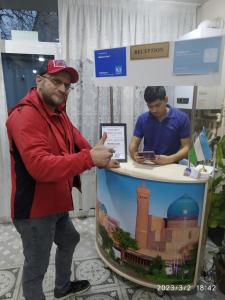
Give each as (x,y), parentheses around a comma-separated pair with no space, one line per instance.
(167,173)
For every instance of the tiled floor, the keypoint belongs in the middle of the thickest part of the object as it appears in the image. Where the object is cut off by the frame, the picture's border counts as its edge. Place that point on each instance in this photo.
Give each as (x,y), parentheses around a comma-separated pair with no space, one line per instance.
(105,285)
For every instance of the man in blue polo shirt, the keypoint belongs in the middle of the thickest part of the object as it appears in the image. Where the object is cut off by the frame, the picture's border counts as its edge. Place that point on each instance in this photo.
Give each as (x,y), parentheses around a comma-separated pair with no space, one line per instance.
(165,130)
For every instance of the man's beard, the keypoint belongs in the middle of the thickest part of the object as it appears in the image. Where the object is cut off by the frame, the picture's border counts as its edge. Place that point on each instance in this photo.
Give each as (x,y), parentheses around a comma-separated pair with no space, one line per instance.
(48,100)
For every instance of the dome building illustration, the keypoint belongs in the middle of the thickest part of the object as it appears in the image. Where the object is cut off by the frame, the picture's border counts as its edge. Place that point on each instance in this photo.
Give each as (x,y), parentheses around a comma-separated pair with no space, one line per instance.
(183,208)
(172,237)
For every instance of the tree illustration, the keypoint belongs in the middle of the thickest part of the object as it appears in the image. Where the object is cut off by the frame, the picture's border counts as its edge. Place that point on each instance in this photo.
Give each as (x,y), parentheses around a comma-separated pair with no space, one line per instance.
(124,240)
(183,271)
(107,241)
(157,266)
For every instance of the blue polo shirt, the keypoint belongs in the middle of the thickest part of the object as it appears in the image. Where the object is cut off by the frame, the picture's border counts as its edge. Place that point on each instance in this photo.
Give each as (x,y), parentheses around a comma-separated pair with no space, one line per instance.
(163,137)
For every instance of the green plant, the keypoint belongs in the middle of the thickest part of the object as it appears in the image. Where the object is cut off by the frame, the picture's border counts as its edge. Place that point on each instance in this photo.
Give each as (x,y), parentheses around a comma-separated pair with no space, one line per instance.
(217,209)
(220,254)
(219,262)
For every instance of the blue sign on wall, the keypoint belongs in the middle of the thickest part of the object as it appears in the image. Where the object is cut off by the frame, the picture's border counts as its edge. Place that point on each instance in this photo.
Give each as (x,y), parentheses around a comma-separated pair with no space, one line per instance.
(197,56)
(110,62)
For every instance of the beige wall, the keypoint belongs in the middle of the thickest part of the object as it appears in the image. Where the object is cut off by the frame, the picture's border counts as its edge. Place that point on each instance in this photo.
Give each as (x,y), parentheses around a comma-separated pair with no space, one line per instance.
(208,11)
(211,9)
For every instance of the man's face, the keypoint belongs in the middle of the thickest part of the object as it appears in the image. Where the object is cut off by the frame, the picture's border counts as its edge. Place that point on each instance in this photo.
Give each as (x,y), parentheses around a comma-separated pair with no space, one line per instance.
(54,88)
(158,108)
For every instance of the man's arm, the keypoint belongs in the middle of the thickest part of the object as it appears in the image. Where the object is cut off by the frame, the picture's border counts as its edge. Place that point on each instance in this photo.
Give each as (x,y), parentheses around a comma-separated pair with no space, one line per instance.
(169,159)
(133,149)
(28,132)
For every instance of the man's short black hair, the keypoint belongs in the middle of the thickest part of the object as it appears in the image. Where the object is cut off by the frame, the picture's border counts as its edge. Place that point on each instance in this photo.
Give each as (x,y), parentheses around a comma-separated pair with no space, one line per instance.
(152,93)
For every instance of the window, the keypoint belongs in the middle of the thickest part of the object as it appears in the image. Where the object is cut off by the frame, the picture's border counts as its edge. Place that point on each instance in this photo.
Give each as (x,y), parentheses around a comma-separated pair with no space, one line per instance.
(44,22)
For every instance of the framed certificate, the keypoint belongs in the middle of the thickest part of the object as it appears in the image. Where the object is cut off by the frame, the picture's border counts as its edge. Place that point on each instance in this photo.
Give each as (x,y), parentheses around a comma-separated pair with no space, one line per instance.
(116,139)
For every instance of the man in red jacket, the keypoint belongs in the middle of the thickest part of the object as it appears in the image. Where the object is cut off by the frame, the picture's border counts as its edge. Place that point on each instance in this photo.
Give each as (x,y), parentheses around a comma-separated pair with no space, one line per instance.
(47,155)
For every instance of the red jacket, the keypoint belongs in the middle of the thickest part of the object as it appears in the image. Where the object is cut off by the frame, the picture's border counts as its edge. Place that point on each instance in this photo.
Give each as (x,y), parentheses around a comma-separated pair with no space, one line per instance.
(47,153)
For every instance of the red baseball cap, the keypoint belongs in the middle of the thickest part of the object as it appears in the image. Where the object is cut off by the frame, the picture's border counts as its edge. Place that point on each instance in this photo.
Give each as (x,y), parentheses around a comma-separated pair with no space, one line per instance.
(53,66)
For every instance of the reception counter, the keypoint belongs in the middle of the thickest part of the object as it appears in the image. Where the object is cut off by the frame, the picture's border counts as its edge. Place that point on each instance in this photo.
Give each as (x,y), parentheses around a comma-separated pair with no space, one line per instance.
(150,224)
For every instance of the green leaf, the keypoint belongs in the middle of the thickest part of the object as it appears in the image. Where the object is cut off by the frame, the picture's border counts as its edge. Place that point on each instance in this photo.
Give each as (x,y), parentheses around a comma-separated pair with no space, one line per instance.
(220,153)
(217,191)
(216,182)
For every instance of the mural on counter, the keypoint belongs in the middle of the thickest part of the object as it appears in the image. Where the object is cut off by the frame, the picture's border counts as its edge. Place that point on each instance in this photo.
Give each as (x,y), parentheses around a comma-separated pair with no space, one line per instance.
(149,228)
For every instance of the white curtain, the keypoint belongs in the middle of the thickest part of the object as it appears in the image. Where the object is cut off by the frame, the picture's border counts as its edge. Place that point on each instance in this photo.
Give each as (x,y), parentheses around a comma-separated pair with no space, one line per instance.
(86,25)
(5,178)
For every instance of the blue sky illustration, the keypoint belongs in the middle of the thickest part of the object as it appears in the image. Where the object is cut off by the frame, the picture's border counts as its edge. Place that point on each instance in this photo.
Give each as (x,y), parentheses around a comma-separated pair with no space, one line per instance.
(118,194)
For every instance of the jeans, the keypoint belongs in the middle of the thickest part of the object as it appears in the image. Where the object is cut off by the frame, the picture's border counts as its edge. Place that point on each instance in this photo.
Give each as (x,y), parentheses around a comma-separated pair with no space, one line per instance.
(37,237)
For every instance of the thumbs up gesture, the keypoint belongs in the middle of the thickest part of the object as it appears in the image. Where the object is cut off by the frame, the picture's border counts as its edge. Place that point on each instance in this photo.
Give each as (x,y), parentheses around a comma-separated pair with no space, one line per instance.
(100,154)
(103,139)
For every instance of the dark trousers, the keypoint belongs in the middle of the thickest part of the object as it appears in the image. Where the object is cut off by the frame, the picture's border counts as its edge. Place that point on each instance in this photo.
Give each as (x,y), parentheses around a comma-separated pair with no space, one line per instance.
(37,237)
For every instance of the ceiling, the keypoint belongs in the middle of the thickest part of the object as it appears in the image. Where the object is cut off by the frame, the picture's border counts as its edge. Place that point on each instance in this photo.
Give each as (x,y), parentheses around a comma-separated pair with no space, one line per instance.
(39,5)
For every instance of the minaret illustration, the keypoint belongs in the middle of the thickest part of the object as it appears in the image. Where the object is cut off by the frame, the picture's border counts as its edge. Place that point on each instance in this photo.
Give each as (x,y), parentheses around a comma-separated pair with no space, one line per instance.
(174,236)
(141,232)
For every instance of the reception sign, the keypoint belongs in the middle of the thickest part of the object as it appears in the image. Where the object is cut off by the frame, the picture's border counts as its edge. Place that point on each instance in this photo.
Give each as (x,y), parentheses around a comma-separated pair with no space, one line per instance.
(149,230)
(146,51)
